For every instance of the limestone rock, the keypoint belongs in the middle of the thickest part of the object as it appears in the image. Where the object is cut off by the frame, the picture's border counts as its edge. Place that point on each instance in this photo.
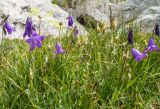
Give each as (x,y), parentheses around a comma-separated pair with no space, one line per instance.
(134,8)
(98,9)
(145,12)
(52,15)
(148,18)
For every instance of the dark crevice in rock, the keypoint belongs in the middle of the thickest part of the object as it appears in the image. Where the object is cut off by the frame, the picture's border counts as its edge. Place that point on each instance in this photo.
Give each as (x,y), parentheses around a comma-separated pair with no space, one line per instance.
(88,21)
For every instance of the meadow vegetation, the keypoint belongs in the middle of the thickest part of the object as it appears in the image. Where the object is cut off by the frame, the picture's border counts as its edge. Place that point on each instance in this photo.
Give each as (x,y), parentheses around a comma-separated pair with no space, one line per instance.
(96,71)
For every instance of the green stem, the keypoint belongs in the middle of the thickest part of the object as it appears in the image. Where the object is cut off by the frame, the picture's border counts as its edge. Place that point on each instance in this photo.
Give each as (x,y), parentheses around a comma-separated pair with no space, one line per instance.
(2,38)
(30,75)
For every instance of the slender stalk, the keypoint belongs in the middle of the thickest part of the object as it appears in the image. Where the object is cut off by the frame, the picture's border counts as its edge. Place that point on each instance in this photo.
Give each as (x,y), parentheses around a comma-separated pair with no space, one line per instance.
(1,38)
(60,28)
(30,75)
(110,17)
(39,24)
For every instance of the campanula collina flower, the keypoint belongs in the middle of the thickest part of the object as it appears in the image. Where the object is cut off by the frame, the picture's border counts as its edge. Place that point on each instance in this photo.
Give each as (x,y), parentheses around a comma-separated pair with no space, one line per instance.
(8,28)
(151,46)
(75,32)
(35,40)
(138,55)
(28,28)
(156,30)
(130,36)
(70,21)
(59,49)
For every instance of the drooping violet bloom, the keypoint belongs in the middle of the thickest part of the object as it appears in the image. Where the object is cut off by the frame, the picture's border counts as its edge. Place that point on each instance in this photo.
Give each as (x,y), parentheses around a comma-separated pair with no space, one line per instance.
(75,32)
(138,55)
(29,28)
(151,46)
(70,21)
(59,49)
(156,30)
(8,28)
(130,36)
(35,41)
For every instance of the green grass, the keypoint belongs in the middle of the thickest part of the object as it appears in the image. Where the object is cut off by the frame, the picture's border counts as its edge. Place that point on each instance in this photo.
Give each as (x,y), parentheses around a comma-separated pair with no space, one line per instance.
(100,73)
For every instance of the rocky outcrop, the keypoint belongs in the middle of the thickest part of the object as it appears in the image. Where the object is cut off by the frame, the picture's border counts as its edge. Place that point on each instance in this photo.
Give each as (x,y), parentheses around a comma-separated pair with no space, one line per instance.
(51,15)
(98,9)
(148,18)
(133,8)
(144,12)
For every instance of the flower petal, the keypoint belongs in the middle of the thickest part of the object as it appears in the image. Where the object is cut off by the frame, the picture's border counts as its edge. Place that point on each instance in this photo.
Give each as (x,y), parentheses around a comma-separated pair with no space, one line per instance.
(138,55)
(39,44)
(34,34)
(151,42)
(29,40)
(32,45)
(9,28)
(151,46)
(40,38)
(59,49)
(29,28)
(70,21)
(130,36)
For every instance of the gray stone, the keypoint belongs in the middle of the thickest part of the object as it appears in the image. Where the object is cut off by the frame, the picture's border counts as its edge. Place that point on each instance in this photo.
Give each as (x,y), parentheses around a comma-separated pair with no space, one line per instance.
(98,9)
(144,12)
(148,18)
(52,15)
(133,8)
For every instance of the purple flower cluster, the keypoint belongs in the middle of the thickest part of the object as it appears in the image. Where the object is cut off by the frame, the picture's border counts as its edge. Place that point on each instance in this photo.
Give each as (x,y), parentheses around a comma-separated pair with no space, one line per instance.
(151,48)
(34,40)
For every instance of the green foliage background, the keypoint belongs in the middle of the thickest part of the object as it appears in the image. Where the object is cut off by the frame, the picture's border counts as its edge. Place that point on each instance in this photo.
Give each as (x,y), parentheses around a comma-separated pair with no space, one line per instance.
(97,73)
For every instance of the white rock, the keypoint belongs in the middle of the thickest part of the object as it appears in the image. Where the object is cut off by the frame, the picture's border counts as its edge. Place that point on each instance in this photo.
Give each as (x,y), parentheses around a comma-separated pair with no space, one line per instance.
(134,8)
(98,9)
(144,11)
(19,10)
(148,18)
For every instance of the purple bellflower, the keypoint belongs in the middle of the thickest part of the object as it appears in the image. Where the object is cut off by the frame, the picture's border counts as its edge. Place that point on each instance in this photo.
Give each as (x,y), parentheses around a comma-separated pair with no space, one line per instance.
(156,30)
(59,49)
(35,40)
(75,32)
(8,28)
(151,46)
(29,28)
(70,21)
(138,55)
(130,36)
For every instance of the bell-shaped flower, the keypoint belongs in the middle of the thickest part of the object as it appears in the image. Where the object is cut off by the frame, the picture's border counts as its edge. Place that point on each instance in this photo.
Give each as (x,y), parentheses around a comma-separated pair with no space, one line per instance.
(130,36)
(138,55)
(8,28)
(28,28)
(59,49)
(75,31)
(156,30)
(70,21)
(151,46)
(35,41)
